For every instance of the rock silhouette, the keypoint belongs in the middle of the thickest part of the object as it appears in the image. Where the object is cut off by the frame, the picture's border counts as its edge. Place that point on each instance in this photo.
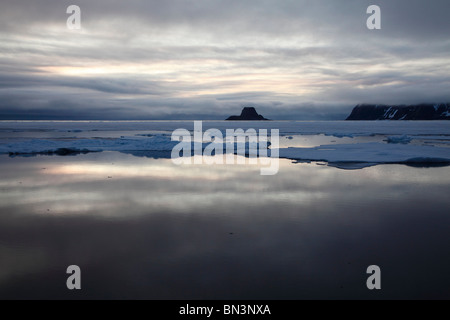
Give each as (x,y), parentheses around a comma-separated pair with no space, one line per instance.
(248,114)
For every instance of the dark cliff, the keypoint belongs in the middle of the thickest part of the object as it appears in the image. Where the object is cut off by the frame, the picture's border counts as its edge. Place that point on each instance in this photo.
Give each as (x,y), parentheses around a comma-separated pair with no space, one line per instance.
(440,111)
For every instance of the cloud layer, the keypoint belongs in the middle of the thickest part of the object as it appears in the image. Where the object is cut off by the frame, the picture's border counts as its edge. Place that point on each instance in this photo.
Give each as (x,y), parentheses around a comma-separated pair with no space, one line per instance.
(191,59)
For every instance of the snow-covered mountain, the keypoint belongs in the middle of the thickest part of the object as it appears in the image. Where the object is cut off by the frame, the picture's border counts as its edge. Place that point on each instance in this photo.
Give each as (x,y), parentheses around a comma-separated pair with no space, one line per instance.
(440,111)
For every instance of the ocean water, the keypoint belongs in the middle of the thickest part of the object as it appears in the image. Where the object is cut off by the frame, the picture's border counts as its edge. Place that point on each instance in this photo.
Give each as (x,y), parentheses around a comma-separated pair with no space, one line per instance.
(141,227)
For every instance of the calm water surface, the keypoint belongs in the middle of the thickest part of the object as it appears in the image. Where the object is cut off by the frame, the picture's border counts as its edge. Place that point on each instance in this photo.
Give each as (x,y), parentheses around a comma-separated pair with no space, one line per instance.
(143,228)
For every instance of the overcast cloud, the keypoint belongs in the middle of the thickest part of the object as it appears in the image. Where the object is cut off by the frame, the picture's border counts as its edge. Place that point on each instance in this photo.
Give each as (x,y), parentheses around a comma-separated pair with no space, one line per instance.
(187,59)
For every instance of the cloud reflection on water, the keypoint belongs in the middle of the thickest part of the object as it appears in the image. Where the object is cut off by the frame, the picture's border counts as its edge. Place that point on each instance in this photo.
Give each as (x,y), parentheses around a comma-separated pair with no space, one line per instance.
(220,232)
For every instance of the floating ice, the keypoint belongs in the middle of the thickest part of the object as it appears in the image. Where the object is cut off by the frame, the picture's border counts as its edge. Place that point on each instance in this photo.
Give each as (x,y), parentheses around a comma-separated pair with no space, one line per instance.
(364,154)
(147,137)
(399,139)
(44,146)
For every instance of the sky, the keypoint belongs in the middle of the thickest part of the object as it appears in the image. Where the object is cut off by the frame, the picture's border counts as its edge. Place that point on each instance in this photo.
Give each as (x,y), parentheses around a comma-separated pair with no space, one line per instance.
(206,59)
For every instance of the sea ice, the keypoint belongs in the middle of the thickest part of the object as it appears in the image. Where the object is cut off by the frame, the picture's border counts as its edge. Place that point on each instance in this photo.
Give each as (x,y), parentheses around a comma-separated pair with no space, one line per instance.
(399,139)
(144,137)
(369,153)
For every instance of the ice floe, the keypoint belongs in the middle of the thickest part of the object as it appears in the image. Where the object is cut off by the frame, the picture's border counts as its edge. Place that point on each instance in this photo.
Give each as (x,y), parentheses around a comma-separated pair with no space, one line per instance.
(364,154)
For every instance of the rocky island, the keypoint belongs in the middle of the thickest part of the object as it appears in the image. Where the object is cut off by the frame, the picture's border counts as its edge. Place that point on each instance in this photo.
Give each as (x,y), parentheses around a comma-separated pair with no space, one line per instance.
(248,114)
